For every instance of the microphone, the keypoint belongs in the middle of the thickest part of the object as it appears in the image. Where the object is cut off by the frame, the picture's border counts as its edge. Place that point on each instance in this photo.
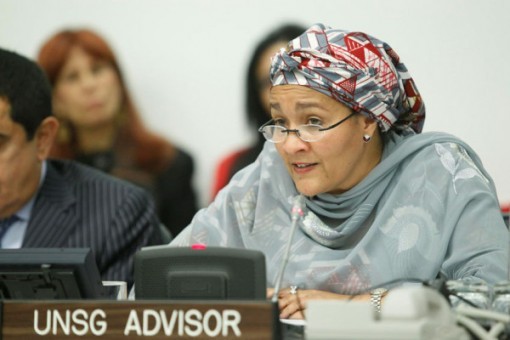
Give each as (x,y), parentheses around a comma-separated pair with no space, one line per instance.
(296,213)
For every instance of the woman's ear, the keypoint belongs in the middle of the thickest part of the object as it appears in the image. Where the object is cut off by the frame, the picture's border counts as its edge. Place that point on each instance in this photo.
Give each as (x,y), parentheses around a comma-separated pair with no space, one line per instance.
(45,137)
(369,125)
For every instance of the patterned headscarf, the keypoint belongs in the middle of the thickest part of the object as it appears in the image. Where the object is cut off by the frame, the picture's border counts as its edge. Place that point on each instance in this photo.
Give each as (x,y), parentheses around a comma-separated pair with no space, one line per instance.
(356,69)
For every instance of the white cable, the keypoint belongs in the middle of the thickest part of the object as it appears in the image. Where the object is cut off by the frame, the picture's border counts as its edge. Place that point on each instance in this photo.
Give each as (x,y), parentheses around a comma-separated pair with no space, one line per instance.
(482,313)
(474,327)
(465,311)
(496,329)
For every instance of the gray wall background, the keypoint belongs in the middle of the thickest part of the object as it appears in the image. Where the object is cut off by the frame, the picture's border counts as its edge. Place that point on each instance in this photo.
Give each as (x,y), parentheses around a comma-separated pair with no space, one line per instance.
(185,61)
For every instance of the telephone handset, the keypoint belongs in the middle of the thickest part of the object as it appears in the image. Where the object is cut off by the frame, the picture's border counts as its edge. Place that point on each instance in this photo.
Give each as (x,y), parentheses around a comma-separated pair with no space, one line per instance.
(407,312)
(416,302)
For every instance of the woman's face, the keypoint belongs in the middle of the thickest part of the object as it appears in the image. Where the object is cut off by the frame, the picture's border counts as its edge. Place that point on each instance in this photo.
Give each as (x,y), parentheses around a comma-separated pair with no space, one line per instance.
(262,72)
(87,91)
(340,159)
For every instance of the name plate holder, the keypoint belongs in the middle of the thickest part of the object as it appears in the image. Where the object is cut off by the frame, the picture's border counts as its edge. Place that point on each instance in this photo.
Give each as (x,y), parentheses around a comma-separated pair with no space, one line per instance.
(157,319)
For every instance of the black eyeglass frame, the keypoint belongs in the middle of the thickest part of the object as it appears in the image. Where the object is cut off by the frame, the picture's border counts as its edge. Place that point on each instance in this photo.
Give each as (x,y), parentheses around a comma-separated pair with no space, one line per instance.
(296,131)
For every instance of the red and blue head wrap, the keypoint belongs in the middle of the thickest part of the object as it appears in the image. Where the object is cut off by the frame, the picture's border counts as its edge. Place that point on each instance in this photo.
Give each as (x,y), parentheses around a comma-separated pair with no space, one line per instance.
(356,69)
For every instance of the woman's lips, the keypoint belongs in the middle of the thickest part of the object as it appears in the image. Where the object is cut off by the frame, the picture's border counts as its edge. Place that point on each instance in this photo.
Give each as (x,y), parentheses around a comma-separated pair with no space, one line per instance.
(302,168)
(94,106)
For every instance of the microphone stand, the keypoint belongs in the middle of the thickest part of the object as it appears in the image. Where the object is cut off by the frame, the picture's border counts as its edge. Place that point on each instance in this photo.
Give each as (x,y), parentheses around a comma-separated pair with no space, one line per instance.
(296,213)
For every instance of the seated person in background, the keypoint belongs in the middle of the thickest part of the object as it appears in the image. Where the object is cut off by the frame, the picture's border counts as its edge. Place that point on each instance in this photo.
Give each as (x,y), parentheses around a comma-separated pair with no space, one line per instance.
(505,210)
(256,102)
(101,127)
(59,203)
(385,203)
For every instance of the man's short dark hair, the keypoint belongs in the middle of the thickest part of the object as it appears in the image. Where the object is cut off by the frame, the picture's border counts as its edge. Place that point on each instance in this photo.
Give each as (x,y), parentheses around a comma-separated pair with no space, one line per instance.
(26,88)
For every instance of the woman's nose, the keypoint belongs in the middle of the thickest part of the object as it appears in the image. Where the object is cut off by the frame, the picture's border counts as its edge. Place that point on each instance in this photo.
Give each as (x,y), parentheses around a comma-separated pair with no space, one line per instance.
(293,143)
(88,80)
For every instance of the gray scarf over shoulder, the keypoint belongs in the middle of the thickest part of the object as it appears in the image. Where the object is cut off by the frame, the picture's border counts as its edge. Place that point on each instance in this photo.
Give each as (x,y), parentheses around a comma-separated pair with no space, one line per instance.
(428,207)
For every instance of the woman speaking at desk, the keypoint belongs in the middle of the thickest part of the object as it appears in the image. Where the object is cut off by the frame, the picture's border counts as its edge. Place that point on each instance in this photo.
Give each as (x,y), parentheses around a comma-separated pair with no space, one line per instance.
(385,203)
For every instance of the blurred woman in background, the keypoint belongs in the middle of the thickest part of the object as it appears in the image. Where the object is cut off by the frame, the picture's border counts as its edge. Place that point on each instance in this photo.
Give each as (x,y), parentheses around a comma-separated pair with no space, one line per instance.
(256,101)
(101,126)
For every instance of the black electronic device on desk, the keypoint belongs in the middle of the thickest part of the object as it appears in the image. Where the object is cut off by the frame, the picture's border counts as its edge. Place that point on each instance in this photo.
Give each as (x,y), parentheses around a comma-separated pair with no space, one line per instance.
(210,284)
(200,273)
(49,273)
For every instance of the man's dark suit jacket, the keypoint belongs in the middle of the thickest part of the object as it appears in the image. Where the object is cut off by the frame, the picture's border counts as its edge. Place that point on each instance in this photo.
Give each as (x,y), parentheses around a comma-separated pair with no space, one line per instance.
(78,206)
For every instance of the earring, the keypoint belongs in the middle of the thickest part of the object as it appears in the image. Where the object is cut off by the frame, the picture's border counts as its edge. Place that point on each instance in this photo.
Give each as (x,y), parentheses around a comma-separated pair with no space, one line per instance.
(367,138)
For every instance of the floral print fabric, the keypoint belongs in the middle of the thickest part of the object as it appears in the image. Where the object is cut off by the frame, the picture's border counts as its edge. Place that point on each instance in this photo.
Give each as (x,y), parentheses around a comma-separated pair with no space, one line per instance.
(429,207)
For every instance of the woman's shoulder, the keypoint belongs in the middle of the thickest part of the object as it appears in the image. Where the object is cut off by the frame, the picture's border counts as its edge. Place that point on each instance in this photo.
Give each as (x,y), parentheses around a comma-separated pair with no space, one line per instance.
(427,142)
(449,154)
(443,145)
(183,156)
(181,162)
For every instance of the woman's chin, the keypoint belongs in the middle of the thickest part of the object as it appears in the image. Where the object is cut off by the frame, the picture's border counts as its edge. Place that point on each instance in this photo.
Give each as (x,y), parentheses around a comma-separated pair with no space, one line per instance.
(307,191)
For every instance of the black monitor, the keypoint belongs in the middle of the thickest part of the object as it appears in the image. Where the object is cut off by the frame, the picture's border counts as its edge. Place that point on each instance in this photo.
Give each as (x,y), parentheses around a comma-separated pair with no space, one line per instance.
(49,273)
(200,273)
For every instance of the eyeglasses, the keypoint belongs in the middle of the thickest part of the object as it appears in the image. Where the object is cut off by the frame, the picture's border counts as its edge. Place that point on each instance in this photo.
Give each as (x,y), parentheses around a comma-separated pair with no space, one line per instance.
(306,132)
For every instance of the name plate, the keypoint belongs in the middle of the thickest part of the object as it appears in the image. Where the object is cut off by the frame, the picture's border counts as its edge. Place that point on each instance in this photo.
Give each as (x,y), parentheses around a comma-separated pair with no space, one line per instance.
(59,319)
